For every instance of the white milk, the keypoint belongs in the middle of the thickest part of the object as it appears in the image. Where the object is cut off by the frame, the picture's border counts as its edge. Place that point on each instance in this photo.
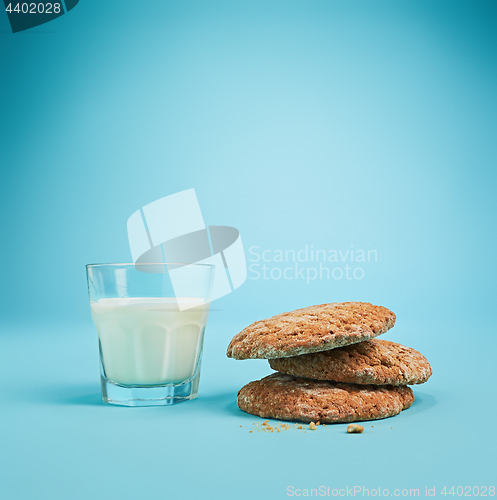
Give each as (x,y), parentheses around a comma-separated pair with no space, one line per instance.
(148,341)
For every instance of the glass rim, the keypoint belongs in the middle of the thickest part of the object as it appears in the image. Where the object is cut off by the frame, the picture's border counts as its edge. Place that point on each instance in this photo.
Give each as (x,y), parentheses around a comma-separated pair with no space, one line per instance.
(131,264)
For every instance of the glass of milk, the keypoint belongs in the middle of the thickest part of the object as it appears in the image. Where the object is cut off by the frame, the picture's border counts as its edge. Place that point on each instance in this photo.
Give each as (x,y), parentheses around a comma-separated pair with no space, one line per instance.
(150,321)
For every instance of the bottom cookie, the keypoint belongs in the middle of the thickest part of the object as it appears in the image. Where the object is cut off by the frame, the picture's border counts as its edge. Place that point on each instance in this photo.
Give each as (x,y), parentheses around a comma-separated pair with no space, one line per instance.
(285,397)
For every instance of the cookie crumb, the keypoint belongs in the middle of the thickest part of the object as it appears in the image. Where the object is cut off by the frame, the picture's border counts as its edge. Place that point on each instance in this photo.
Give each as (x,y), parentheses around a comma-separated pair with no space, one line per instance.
(355,429)
(265,426)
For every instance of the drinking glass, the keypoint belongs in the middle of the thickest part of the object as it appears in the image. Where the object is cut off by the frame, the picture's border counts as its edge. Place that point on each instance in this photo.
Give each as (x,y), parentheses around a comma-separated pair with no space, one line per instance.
(150,321)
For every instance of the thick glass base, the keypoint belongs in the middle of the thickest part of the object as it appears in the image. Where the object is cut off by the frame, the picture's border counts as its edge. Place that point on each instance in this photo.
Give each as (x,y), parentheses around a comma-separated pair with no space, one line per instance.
(152,395)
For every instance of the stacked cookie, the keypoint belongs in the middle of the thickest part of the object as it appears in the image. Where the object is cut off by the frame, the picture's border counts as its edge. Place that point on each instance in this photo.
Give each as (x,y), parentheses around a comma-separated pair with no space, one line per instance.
(330,367)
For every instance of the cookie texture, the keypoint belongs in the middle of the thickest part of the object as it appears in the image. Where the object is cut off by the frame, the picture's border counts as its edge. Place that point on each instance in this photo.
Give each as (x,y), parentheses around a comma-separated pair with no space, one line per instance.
(315,328)
(285,397)
(375,361)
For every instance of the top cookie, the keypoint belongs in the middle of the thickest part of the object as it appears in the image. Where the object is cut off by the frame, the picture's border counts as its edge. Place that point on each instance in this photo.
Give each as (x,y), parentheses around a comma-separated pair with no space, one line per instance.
(312,329)
(375,361)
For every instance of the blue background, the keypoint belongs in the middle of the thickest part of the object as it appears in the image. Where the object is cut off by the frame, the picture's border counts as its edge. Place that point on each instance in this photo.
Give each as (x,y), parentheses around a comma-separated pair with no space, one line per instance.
(325,123)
